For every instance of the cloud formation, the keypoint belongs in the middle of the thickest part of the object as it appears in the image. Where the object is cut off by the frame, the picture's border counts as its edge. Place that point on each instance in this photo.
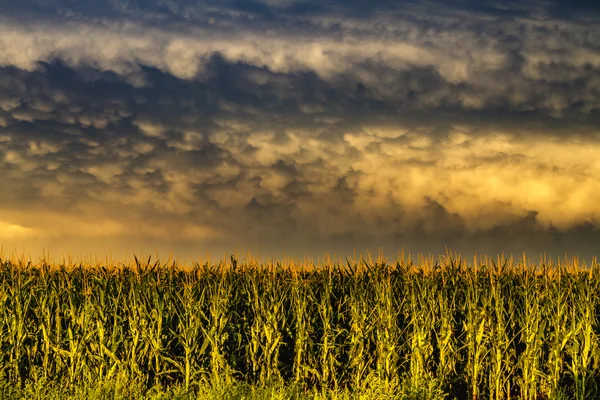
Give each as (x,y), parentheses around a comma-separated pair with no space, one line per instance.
(299,127)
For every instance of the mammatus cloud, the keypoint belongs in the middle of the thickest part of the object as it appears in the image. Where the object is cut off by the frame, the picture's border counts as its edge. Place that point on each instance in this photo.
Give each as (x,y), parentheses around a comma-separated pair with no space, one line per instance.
(444,60)
(301,133)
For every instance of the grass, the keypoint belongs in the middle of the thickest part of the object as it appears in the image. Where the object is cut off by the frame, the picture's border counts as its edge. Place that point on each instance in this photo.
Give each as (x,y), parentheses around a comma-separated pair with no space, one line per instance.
(122,388)
(432,329)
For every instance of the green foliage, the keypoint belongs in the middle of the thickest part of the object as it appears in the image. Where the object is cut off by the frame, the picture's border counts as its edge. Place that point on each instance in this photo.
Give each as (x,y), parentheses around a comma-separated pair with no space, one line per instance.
(494,329)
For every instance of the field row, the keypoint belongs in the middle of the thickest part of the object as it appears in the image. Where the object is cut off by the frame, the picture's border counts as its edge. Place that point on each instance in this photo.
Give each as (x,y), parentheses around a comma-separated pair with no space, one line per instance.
(492,331)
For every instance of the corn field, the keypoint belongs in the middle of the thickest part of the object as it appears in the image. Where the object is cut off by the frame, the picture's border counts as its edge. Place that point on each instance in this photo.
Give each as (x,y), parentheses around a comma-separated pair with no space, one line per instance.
(484,329)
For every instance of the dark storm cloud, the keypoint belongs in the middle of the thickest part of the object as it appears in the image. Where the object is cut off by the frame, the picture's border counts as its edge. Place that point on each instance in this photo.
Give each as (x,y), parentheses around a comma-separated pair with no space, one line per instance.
(301,125)
(272,9)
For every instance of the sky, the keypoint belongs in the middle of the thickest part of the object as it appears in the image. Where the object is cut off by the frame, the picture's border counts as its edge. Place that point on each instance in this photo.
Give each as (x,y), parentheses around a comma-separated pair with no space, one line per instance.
(299,127)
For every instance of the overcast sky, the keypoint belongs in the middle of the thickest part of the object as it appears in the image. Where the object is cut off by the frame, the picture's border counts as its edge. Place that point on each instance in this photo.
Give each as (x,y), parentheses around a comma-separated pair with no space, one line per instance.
(299,127)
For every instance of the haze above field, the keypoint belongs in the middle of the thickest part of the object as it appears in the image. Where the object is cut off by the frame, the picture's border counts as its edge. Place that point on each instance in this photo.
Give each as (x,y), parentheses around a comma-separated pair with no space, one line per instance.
(299,126)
